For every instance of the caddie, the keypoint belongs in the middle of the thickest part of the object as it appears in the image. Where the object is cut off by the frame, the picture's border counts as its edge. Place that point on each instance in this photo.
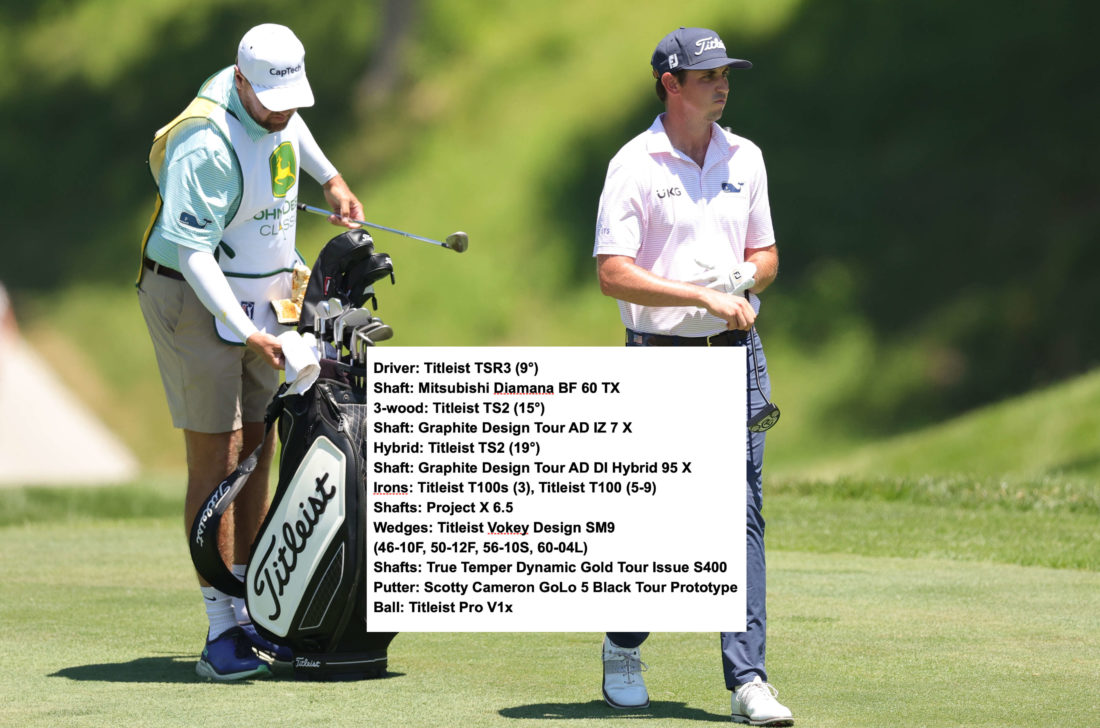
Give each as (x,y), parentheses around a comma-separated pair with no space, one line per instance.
(219,249)
(684,241)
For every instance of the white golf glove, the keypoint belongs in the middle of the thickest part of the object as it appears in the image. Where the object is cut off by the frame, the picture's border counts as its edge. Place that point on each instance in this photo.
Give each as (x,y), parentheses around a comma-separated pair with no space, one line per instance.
(737,279)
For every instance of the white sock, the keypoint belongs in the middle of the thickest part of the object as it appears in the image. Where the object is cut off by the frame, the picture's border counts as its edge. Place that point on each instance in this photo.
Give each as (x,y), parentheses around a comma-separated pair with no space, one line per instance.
(219,610)
(240,609)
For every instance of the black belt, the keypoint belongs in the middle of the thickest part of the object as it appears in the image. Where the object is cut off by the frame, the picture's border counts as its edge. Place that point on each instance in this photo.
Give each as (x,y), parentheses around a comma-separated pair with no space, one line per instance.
(162,270)
(726,338)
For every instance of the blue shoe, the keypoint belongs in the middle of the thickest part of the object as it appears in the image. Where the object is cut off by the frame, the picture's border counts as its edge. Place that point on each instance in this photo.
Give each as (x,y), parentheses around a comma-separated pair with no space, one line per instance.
(280,653)
(229,657)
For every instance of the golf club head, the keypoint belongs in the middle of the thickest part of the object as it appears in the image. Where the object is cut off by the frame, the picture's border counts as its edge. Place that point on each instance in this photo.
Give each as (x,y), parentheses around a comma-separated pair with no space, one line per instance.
(375,331)
(765,419)
(351,318)
(458,242)
(334,308)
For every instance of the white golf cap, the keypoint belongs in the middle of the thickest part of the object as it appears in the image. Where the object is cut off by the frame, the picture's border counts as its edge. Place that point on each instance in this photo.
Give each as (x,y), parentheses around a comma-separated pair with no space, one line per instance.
(273,60)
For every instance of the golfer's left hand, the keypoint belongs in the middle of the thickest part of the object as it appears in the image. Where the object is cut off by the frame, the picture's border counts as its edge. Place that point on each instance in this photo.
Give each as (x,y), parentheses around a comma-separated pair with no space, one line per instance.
(737,279)
(342,202)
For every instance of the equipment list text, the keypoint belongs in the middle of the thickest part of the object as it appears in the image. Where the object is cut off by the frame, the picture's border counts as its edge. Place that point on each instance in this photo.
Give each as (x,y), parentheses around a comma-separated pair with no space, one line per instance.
(555,489)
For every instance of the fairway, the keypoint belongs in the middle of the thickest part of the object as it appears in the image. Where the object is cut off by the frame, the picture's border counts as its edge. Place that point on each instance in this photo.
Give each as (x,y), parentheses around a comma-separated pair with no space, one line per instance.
(101,625)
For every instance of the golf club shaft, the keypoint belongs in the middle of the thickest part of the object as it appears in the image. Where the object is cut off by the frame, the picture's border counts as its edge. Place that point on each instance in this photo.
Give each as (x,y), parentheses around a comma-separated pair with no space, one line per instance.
(328,213)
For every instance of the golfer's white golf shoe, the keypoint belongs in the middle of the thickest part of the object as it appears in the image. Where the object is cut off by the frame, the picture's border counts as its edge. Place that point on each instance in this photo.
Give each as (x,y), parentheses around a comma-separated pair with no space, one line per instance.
(755,704)
(623,686)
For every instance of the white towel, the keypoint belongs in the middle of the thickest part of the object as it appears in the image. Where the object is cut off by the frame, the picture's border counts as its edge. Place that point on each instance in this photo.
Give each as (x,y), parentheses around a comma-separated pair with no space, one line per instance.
(302,365)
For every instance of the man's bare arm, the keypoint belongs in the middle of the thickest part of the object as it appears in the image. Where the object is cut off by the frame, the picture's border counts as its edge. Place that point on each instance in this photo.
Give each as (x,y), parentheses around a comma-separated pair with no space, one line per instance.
(620,277)
(766,261)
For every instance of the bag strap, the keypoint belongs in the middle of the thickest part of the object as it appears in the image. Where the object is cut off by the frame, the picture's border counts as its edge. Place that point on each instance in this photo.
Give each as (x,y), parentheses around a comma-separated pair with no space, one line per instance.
(203,541)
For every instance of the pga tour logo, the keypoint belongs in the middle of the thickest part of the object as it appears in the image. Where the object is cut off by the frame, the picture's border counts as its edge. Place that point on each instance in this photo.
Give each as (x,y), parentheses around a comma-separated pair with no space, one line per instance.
(296,537)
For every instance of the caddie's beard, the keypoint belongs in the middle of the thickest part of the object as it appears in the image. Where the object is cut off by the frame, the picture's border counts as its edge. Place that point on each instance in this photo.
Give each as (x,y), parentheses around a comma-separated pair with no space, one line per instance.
(276,120)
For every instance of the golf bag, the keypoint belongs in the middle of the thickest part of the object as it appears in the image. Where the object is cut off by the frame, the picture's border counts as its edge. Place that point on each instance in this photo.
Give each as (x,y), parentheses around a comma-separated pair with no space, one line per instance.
(305,585)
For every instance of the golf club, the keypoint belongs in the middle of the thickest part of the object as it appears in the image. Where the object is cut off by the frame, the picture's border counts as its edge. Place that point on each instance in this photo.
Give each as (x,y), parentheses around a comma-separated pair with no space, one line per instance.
(352,318)
(373,332)
(457,242)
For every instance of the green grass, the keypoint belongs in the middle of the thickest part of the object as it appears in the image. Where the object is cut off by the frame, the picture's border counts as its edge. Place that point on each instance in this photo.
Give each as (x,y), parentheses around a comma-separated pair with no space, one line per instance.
(102,624)
(825,523)
(160,496)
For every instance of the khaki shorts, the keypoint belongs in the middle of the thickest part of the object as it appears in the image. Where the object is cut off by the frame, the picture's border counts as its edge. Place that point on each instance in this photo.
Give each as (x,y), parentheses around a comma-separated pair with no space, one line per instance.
(211,386)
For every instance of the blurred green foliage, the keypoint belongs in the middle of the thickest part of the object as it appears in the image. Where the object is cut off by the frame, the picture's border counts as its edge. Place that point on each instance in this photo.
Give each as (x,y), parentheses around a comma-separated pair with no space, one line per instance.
(87,84)
(931,169)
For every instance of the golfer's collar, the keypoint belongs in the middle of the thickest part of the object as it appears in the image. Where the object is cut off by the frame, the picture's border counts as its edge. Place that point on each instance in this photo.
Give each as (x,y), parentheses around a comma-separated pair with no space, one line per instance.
(659,143)
(254,131)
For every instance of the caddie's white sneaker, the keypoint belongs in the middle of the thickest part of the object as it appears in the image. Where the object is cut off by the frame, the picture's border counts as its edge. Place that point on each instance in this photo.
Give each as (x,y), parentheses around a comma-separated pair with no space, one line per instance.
(755,704)
(623,686)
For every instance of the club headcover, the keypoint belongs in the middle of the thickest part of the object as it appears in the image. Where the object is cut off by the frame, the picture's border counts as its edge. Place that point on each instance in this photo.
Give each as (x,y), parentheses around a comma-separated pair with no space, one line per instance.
(345,269)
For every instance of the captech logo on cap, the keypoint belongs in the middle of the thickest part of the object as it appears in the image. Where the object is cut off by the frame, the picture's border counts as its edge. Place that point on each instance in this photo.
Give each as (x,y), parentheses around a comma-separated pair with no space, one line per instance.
(285,71)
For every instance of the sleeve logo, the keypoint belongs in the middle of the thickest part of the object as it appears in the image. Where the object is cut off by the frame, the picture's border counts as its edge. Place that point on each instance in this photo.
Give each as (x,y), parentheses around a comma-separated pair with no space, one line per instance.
(191,221)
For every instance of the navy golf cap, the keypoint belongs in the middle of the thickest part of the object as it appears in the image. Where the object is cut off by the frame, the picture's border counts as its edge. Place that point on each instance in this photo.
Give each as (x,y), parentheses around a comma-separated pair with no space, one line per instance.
(696,49)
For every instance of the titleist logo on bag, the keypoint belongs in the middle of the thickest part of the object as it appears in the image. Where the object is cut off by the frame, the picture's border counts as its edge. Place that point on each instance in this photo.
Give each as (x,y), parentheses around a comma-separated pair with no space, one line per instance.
(289,549)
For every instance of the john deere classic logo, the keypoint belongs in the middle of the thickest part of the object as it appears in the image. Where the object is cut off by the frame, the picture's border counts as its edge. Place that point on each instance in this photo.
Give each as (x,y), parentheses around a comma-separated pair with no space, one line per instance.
(283,169)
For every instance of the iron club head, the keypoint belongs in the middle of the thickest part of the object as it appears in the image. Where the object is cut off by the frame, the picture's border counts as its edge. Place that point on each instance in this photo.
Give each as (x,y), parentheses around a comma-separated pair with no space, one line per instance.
(458,242)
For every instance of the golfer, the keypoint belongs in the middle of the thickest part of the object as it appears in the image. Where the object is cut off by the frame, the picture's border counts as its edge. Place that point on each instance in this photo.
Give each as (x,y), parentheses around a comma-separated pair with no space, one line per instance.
(684,241)
(221,247)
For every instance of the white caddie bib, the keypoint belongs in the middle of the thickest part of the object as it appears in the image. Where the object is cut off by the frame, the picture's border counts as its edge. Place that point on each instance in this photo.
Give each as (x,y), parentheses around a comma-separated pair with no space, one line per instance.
(256,252)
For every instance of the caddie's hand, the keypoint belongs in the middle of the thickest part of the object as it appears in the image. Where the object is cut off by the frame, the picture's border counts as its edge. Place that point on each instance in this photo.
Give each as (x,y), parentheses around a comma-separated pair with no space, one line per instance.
(342,202)
(737,279)
(268,347)
(734,309)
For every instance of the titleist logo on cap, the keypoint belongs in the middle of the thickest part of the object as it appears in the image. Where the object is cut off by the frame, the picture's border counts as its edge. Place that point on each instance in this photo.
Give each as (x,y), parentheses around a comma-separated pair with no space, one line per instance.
(709,44)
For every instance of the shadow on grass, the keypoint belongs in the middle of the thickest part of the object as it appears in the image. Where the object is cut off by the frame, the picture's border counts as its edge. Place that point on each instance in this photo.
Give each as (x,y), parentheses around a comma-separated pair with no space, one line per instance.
(599,709)
(164,669)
